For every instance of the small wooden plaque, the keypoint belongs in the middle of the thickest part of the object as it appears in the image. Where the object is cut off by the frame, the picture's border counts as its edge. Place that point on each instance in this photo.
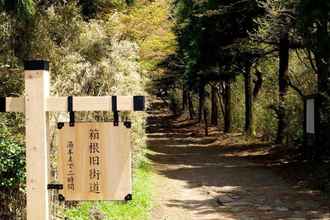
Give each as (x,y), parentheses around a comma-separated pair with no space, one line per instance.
(310,116)
(95,161)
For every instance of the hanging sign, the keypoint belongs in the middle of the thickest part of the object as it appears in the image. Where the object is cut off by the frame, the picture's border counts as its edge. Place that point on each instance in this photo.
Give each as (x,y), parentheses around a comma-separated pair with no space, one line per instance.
(310,116)
(95,161)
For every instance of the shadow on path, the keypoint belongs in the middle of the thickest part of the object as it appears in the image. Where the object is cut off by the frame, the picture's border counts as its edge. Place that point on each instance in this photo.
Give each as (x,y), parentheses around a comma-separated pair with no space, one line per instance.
(201,178)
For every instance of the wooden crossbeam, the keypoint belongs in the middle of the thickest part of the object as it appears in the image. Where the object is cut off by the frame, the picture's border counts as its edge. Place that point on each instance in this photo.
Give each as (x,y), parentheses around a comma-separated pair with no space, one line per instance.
(15,104)
(80,103)
(12,104)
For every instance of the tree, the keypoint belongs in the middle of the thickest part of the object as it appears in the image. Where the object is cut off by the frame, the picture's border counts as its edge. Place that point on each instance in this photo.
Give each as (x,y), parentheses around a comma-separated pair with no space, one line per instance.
(214,106)
(283,85)
(248,100)
(21,9)
(275,30)
(224,25)
(227,104)
(314,25)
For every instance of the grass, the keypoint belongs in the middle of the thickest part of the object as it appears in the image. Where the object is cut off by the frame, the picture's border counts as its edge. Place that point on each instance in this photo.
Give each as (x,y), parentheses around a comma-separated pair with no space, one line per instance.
(137,209)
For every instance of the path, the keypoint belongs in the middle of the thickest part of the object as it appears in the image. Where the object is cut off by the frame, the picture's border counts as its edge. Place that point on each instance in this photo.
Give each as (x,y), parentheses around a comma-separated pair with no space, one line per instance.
(198,178)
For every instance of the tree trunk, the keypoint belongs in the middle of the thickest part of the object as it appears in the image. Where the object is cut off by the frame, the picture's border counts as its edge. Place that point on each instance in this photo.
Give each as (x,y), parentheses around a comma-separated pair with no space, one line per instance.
(227,103)
(214,106)
(323,120)
(283,86)
(201,94)
(184,99)
(248,101)
(221,102)
(257,85)
(190,106)
(322,58)
(205,122)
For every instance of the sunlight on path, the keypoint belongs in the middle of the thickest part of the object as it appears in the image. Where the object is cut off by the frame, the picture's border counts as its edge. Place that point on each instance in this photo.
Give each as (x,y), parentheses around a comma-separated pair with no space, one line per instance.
(195,180)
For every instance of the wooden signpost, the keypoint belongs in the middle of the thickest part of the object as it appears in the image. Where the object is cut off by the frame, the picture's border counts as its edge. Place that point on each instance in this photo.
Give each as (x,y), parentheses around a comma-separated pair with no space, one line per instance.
(310,115)
(311,122)
(114,178)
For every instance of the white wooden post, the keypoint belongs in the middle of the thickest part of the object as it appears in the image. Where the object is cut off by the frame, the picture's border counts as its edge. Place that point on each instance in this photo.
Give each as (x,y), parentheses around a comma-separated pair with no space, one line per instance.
(36,127)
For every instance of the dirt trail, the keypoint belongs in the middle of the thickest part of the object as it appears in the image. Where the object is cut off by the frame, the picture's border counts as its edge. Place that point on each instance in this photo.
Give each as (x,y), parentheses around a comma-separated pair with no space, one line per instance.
(198,178)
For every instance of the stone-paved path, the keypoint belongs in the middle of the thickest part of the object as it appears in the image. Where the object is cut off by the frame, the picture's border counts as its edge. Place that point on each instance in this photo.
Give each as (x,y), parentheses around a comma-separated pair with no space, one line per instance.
(196,180)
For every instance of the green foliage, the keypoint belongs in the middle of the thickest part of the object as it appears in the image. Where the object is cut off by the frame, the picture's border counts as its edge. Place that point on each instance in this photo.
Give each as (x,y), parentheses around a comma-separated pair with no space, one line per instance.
(238,103)
(313,25)
(217,40)
(138,139)
(87,57)
(7,34)
(313,22)
(209,33)
(91,9)
(265,120)
(12,157)
(11,82)
(148,24)
(21,8)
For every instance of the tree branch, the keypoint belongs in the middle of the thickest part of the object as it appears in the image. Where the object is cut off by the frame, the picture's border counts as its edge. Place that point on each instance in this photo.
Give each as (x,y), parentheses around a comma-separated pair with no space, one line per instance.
(296,89)
(309,55)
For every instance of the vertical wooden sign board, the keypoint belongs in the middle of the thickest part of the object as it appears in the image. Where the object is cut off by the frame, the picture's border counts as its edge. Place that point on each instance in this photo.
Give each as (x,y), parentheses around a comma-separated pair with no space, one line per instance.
(311,120)
(95,161)
(310,116)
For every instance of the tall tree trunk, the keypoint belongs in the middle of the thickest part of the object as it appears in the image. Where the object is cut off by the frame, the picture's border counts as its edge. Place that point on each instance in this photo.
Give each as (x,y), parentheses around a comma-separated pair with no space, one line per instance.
(190,106)
(214,106)
(248,101)
(221,102)
(184,98)
(227,103)
(201,94)
(257,85)
(322,58)
(205,121)
(283,86)
(323,119)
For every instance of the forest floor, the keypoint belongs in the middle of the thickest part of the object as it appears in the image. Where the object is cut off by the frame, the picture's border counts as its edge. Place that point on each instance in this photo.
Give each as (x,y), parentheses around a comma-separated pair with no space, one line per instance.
(223,177)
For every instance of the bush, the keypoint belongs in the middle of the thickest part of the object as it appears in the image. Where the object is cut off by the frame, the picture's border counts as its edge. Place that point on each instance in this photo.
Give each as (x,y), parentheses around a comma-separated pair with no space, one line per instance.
(12,161)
